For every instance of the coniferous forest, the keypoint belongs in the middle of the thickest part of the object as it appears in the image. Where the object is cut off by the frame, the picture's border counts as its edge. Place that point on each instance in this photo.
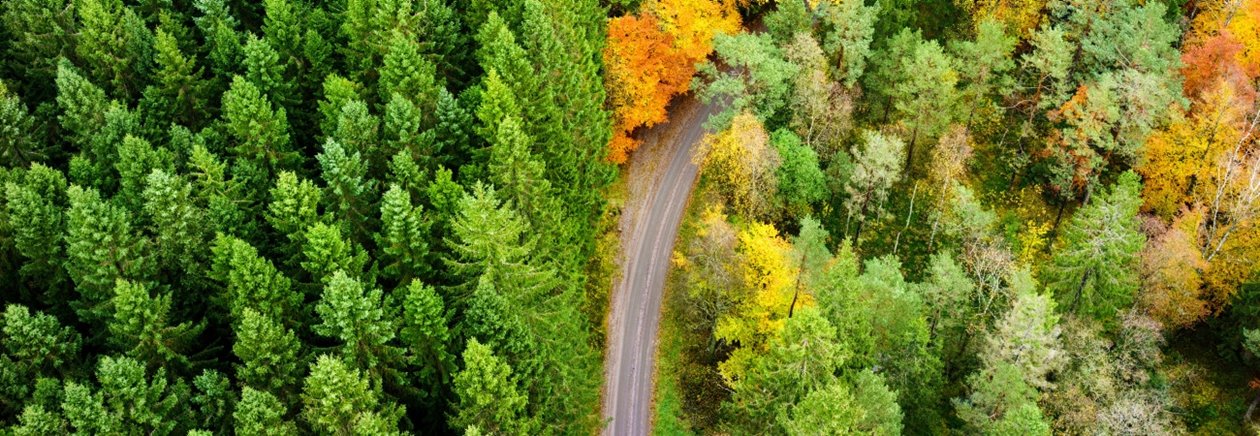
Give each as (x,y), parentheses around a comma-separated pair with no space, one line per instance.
(379,217)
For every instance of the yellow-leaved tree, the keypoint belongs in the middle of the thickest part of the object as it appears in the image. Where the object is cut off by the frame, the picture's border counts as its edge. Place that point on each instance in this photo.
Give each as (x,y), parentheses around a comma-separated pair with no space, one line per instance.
(741,165)
(1019,16)
(693,23)
(768,274)
(1180,158)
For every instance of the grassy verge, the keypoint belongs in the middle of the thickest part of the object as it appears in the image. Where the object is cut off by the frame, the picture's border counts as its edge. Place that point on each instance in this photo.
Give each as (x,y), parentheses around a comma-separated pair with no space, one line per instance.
(604,270)
(669,397)
(687,390)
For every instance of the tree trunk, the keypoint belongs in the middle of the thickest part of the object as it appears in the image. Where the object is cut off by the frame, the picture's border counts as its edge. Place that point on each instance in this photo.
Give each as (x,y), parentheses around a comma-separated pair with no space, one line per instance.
(914,136)
(857,235)
(1076,300)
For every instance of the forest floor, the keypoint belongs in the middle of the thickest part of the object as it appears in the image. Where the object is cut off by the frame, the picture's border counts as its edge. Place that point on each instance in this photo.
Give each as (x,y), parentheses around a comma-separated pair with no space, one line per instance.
(660,178)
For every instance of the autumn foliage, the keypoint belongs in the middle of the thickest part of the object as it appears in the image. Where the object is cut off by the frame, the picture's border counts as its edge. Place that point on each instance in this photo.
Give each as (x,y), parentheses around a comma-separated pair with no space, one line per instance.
(651,57)
(644,70)
(1201,171)
(1207,64)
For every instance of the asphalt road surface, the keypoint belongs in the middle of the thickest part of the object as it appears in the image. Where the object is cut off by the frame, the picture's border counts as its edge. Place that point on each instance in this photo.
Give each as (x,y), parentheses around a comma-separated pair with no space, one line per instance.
(661,177)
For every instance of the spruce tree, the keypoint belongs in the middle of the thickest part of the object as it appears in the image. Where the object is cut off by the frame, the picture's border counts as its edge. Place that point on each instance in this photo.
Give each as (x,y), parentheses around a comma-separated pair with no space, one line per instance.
(36,213)
(260,413)
(403,240)
(488,398)
(258,132)
(101,247)
(271,359)
(141,327)
(1095,271)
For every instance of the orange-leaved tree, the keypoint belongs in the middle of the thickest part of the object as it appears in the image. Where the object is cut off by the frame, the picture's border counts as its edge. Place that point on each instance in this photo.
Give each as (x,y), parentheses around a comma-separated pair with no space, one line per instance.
(1205,64)
(644,70)
(651,57)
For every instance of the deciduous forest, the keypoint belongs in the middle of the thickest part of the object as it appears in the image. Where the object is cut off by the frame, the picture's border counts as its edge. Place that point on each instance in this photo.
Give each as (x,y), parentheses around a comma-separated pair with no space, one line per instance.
(380,217)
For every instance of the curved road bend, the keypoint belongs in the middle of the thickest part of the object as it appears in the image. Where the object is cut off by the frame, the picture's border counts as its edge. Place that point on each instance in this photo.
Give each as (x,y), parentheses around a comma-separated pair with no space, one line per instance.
(661,177)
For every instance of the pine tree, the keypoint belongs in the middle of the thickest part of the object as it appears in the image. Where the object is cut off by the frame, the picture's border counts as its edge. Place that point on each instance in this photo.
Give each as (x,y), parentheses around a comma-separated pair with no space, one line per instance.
(850,30)
(926,99)
(759,82)
(787,20)
(801,359)
(875,170)
(984,67)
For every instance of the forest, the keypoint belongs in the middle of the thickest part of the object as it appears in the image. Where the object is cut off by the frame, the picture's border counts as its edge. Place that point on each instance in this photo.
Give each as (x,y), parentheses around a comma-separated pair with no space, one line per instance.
(379,217)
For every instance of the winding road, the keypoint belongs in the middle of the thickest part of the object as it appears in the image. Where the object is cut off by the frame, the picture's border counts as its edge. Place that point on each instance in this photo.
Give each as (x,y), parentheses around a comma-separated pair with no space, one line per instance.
(661,176)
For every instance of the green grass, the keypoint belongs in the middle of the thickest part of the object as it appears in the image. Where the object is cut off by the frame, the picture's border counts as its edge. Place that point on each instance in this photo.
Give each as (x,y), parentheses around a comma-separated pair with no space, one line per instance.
(669,399)
(687,389)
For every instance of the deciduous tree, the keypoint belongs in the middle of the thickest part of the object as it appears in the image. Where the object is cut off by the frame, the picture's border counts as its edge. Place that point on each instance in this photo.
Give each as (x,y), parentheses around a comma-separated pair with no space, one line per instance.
(741,164)
(876,167)
(644,71)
